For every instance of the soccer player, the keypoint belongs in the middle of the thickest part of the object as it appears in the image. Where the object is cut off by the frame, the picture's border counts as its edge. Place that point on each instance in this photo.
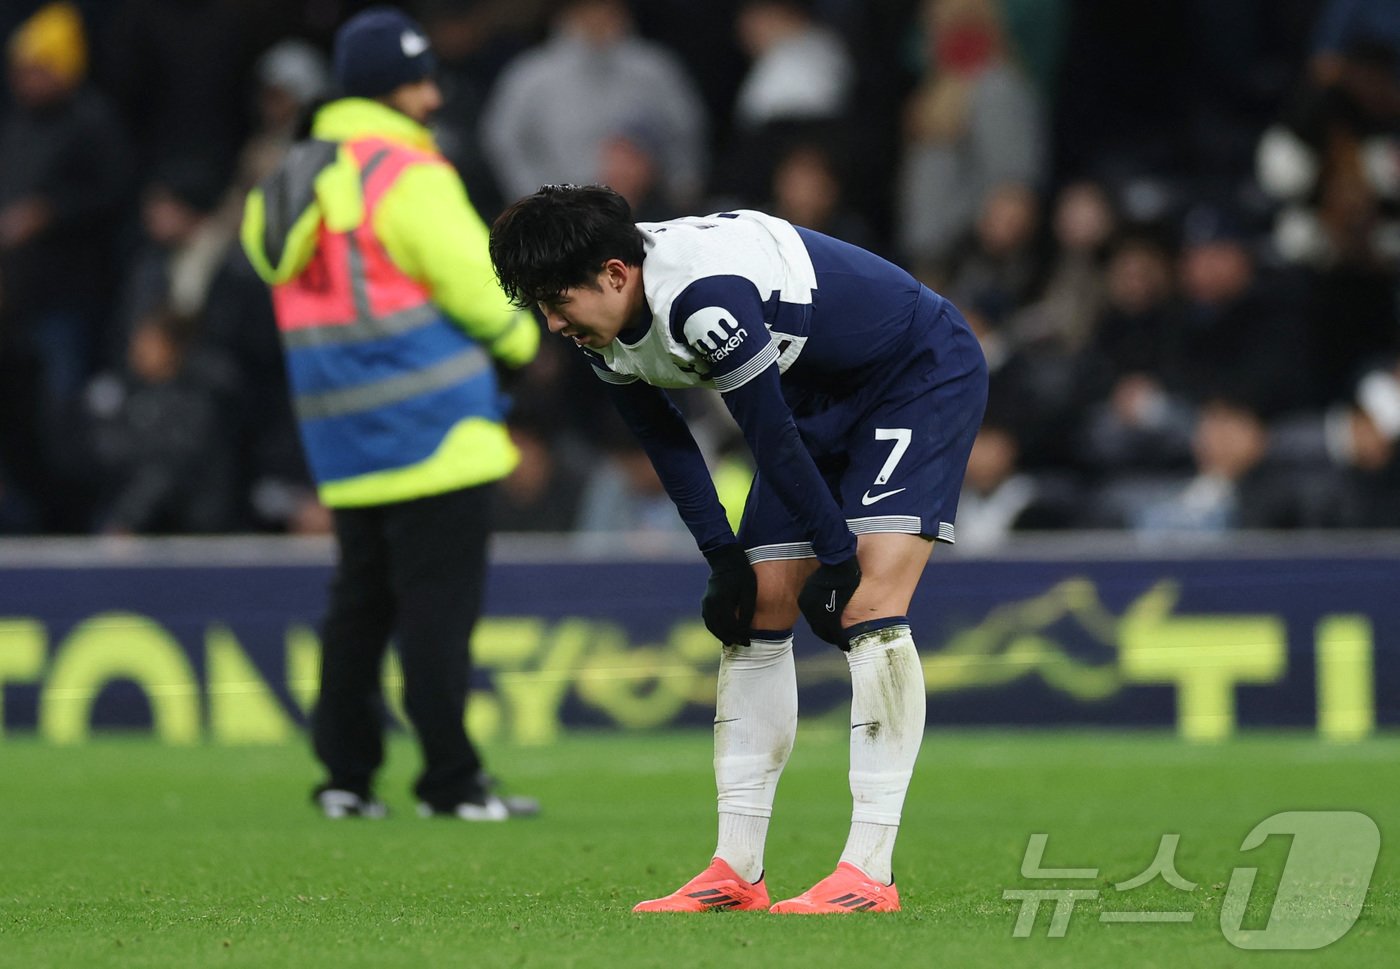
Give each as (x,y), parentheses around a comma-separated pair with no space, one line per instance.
(859,392)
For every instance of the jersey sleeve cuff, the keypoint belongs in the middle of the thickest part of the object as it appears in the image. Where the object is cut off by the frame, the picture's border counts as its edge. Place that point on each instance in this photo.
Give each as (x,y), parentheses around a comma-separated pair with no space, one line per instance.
(758,363)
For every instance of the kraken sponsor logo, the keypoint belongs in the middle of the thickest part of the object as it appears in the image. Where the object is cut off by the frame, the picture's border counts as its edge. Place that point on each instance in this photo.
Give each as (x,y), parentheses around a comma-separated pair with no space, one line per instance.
(713,333)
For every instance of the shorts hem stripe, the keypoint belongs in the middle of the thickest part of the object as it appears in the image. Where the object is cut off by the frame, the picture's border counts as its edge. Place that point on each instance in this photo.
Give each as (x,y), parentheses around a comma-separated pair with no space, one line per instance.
(780,552)
(906,524)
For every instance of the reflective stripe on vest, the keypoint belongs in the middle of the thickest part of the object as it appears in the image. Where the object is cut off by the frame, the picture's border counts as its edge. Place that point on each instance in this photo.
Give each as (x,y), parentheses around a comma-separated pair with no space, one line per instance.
(392,390)
(365,328)
(364,314)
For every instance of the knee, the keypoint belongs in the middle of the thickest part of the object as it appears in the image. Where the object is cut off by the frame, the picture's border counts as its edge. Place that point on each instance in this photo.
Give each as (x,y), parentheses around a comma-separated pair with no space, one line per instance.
(874,602)
(776,603)
(774,611)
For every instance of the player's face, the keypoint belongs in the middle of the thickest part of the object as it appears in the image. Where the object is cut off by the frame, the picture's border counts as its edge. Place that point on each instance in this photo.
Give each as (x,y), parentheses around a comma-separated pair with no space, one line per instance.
(591,316)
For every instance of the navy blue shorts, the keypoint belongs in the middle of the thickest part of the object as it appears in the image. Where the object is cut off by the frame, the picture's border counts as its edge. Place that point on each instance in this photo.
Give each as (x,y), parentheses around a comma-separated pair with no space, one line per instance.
(894,450)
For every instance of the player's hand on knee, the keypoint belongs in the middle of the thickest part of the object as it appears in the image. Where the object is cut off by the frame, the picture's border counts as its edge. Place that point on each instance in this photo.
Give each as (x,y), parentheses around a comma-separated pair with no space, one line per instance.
(824,598)
(730,595)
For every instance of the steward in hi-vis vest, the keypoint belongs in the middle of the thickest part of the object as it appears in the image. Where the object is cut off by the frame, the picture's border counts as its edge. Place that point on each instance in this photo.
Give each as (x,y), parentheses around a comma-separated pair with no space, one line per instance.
(391,319)
(388,309)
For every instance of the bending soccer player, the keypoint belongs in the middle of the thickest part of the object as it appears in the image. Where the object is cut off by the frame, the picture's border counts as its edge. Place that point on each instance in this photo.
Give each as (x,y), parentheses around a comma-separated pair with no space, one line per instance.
(859,392)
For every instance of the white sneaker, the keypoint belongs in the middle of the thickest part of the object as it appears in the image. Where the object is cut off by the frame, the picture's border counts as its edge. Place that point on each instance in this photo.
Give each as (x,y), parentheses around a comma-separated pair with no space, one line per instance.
(336,804)
(489,808)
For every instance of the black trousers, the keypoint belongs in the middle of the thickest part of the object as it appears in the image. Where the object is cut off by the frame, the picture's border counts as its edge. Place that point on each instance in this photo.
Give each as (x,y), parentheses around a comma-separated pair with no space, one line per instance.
(413,570)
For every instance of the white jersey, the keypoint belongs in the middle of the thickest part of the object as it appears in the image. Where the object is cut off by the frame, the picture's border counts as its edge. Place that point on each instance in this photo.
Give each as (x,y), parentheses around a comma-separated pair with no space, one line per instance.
(701,276)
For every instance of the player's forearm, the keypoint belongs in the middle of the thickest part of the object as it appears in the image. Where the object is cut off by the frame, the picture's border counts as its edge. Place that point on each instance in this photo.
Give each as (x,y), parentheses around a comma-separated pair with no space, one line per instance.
(786,465)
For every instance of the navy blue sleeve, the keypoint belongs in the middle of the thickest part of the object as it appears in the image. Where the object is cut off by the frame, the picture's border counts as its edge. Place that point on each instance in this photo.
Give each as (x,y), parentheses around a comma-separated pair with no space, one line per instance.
(721,319)
(786,464)
(663,433)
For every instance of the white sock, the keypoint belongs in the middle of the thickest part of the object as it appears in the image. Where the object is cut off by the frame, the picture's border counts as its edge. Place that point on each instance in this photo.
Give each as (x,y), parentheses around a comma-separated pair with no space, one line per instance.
(888,705)
(755,725)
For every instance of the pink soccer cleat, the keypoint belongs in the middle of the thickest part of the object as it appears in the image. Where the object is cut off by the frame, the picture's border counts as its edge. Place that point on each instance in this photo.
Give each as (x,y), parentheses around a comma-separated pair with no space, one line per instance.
(717,888)
(847,889)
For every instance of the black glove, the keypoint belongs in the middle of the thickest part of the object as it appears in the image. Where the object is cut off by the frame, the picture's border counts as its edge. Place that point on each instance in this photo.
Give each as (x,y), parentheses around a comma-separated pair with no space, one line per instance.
(824,598)
(730,595)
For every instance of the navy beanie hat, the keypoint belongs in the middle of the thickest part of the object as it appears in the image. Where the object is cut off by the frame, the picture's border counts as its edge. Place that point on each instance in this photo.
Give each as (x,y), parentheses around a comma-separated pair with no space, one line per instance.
(379,50)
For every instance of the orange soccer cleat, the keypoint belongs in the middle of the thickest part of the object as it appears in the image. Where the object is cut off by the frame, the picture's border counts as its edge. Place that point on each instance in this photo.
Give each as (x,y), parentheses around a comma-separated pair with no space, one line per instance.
(717,888)
(847,889)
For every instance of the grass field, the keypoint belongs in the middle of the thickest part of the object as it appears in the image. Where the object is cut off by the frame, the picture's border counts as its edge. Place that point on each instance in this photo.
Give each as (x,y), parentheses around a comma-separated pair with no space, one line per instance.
(122,853)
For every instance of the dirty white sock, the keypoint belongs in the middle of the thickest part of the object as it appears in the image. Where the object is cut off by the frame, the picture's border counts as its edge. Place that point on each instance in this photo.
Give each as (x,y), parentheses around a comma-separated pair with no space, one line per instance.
(888,706)
(755,725)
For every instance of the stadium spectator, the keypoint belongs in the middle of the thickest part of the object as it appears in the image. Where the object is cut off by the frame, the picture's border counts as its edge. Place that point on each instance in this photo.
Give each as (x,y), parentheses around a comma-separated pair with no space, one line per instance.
(630,161)
(390,321)
(1240,330)
(1229,444)
(1033,390)
(1000,498)
(1240,483)
(552,108)
(1001,261)
(622,495)
(974,123)
(809,191)
(800,70)
(545,490)
(162,434)
(64,170)
(1131,424)
(183,245)
(844,374)
(1064,312)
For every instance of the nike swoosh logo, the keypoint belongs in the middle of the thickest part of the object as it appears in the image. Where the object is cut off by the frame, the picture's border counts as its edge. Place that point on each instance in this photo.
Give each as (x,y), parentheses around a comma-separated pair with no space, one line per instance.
(831,603)
(869,499)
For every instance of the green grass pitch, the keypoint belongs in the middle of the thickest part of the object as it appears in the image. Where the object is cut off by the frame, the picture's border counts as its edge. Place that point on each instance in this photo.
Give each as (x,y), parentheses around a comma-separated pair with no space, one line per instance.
(123,853)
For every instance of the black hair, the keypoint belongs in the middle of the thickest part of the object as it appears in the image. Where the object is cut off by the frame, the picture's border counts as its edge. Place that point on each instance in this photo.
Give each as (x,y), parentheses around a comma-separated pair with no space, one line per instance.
(559,238)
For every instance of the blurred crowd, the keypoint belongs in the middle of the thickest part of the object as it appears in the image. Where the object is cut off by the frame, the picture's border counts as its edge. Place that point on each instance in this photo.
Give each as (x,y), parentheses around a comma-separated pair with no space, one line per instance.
(1174,226)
